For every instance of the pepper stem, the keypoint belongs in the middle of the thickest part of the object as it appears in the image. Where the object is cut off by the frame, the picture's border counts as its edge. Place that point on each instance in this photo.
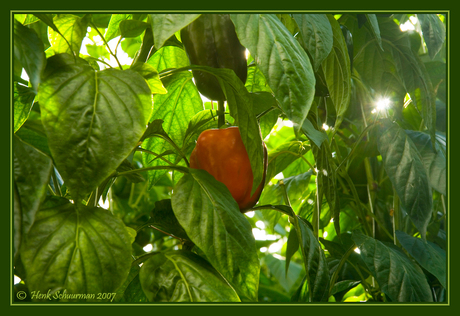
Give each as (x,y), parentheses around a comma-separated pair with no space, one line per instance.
(220,113)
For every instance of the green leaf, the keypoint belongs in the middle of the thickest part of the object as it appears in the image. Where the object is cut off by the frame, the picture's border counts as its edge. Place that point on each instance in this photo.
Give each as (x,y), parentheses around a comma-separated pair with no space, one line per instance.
(433,160)
(33,134)
(427,254)
(316,36)
(131,290)
(29,52)
(168,57)
(374,26)
(32,171)
(48,20)
(336,69)
(434,32)
(132,177)
(282,60)
(175,108)
(437,72)
(277,270)
(152,77)
(165,25)
(412,72)
(406,171)
(377,67)
(318,137)
(23,101)
(211,218)
(315,262)
(162,217)
(132,28)
(256,81)
(113,29)
(93,120)
(292,246)
(283,156)
(71,28)
(200,122)
(78,249)
(344,285)
(180,276)
(398,277)
(262,102)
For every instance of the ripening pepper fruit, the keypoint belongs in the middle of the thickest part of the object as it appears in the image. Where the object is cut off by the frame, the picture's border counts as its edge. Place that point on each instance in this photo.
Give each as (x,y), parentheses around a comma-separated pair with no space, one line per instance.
(211,41)
(221,152)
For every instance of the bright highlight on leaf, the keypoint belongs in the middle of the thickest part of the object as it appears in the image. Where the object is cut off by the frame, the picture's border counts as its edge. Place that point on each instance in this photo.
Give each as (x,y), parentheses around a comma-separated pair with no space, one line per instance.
(382,104)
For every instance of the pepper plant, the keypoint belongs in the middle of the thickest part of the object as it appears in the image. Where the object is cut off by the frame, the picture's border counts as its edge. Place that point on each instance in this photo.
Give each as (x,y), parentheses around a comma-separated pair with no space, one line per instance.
(350,107)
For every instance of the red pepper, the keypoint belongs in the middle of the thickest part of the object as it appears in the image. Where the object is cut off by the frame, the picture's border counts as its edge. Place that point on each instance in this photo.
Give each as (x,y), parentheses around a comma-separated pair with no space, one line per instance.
(221,152)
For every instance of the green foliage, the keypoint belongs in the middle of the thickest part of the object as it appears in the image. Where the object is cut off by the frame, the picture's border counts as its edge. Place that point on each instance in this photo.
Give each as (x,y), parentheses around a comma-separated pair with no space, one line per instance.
(354,207)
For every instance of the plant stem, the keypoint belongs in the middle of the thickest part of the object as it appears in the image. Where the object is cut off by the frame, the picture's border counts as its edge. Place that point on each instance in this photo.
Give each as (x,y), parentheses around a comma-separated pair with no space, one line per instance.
(106,44)
(370,189)
(443,205)
(220,113)
(56,183)
(317,213)
(174,168)
(396,216)
(170,235)
(335,275)
(285,195)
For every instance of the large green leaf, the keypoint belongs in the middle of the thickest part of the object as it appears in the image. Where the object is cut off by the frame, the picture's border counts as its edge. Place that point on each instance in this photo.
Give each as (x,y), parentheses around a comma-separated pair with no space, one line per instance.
(180,276)
(113,29)
(168,57)
(406,171)
(434,32)
(433,160)
(211,218)
(374,26)
(93,120)
(264,104)
(283,156)
(282,60)
(23,101)
(131,291)
(317,270)
(162,217)
(182,96)
(28,52)
(277,269)
(412,71)
(398,277)
(316,36)
(132,28)
(33,134)
(175,108)
(396,70)
(336,69)
(32,171)
(165,25)
(152,77)
(427,254)
(76,249)
(376,67)
(256,80)
(72,31)
(316,136)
